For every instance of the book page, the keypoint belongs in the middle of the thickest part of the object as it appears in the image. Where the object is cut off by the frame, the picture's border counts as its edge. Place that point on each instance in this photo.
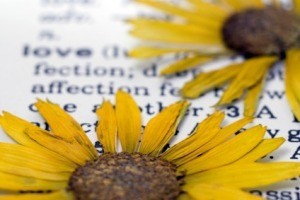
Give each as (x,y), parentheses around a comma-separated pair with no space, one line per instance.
(74,53)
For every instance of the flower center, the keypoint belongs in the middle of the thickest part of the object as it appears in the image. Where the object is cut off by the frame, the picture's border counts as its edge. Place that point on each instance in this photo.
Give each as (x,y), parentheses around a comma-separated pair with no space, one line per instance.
(125,176)
(255,32)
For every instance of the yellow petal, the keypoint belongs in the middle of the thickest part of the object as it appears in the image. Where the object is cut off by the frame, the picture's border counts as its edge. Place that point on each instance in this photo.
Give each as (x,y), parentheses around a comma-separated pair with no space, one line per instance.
(187,14)
(56,195)
(242,4)
(167,27)
(173,32)
(33,173)
(217,192)
(184,64)
(161,128)
(15,127)
(251,99)
(219,138)
(265,147)
(72,151)
(27,157)
(292,83)
(255,3)
(226,132)
(227,152)
(209,10)
(145,52)
(17,183)
(247,175)
(63,125)
(296,5)
(107,127)
(251,73)
(203,133)
(206,81)
(129,121)
(149,52)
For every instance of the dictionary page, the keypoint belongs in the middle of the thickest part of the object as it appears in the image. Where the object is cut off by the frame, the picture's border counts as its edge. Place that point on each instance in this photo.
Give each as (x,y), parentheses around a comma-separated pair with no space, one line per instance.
(73,52)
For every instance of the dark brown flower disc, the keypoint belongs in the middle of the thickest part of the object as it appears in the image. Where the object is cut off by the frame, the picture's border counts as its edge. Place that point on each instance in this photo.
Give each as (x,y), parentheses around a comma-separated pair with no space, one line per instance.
(125,176)
(255,32)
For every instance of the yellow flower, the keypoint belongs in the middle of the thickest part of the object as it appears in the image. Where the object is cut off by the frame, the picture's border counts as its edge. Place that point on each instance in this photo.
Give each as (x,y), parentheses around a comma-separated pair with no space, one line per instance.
(212,163)
(205,30)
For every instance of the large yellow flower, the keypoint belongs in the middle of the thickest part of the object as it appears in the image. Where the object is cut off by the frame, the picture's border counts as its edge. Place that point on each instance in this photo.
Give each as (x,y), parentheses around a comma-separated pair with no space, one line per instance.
(212,163)
(205,30)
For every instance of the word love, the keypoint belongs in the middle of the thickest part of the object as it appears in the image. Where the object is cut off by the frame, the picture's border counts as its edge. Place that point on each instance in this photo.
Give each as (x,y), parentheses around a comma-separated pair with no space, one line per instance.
(107,52)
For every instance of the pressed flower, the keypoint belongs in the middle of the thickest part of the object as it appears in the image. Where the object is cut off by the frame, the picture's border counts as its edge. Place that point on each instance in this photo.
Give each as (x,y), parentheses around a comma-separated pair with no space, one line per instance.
(212,163)
(262,33)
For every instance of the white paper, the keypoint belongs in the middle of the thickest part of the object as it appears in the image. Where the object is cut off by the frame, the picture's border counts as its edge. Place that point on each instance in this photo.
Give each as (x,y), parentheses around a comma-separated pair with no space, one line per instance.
(73,52)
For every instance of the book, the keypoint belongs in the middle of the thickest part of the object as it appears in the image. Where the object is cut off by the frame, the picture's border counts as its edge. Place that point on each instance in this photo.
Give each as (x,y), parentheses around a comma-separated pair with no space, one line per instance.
(74,53)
